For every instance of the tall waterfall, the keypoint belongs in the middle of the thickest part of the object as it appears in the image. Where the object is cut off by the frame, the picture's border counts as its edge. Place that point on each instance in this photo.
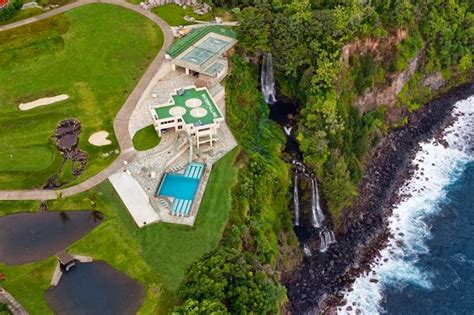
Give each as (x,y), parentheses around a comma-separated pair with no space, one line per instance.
(296,201)
(267,80)
(318,216)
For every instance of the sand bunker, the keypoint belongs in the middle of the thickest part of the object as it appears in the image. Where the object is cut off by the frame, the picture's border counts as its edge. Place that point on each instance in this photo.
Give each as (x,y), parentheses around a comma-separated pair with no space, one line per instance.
(99,139)
(43,101)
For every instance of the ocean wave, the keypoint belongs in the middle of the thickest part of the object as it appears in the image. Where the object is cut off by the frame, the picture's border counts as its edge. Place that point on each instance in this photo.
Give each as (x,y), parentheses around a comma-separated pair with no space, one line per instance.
(438,166)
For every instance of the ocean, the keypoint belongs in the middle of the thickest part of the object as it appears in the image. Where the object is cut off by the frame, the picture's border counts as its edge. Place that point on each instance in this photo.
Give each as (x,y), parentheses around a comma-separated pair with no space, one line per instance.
(428,265)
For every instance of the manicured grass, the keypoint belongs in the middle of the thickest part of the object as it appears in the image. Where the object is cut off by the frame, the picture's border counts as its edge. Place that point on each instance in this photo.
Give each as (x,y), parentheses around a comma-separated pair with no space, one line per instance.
(173,14)
(85,53)
(111,241)
(171,248)
(156,256)
(146,139)
(33,159)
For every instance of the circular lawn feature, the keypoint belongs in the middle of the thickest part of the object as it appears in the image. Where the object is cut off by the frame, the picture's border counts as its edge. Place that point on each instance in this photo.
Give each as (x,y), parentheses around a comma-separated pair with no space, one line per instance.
(27,159)
(146,139)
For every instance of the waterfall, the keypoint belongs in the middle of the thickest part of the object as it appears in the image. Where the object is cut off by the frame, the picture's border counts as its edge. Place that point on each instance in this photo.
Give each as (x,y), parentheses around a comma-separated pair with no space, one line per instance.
(318,216)
(326,238)
(267,80)
(307,250)
(296,200)
(287,130)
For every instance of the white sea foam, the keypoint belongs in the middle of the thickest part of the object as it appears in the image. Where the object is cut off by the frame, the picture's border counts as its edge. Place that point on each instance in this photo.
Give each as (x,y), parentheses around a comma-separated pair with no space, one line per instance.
(438,167)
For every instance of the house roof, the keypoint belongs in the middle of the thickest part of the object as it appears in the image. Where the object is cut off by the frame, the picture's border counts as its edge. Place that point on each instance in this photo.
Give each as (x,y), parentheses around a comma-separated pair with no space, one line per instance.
(194,105)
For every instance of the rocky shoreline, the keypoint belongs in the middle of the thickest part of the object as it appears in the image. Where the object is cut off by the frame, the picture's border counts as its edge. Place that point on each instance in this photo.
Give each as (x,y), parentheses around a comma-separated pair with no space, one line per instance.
(318,283)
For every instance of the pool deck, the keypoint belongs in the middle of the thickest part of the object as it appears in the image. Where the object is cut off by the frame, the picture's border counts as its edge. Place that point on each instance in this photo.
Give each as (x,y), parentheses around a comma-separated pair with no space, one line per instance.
(135,198)
(149,166)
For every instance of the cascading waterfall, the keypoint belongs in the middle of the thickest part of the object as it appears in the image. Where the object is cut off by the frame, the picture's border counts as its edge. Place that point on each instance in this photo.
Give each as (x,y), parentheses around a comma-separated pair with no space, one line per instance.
(296,201)
(327,238)
(326,235)
(287,130)
(267,80)
(318,216)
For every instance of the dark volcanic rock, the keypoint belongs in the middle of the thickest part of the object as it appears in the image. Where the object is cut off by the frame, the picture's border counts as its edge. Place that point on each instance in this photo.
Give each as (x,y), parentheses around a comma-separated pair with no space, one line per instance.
(364,228)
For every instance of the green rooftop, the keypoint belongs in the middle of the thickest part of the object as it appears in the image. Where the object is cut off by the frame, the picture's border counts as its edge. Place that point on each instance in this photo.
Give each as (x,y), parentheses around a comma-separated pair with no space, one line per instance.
(194,106)
(195,35)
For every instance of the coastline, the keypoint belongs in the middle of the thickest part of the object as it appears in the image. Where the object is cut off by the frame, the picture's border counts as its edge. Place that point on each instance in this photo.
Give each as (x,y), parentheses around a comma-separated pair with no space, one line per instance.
(318,283)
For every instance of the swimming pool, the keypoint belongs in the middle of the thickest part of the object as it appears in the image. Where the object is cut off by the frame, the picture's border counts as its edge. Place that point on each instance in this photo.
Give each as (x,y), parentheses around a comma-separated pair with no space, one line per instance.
(178,186)
(182,187)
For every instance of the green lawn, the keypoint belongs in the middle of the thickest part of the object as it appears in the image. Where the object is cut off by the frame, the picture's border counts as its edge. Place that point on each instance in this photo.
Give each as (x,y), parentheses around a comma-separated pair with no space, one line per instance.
(112,241)
(156,256)
(171,248)
(32,159)
(85,53)
(146,139)
(173,14)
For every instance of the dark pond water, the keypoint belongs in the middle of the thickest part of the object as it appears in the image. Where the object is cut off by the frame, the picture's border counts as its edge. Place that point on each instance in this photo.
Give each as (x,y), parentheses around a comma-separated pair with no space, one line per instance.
(95,288)
(27,236)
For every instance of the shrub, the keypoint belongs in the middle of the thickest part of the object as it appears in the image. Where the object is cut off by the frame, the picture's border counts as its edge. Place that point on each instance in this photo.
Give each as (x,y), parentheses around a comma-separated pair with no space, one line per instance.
(8,12)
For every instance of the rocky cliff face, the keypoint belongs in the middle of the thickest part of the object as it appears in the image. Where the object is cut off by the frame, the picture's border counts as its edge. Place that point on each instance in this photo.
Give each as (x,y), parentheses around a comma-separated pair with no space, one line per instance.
(386,93)
(372,45)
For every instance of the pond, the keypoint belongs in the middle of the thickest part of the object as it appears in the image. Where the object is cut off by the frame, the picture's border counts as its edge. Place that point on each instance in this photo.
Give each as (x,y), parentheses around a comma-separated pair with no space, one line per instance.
(95,288)
(28,236)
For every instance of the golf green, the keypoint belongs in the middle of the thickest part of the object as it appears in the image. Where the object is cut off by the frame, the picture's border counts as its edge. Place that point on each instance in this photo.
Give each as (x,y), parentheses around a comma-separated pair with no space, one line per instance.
(96,54)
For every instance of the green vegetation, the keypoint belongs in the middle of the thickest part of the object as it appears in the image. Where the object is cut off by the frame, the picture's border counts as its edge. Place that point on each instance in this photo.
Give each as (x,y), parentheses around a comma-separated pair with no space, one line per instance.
(174,14)
(226,280)
(171,248)
(4,310)
(83,53)
(306,41)
(157,256)
(13,13)
(112,241)
(22,14)
(258,218)
(146,139)
(33,159)
(9,11)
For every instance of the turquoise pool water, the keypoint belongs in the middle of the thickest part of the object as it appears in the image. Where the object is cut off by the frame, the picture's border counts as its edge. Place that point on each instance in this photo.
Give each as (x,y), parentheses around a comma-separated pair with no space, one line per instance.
(178,186)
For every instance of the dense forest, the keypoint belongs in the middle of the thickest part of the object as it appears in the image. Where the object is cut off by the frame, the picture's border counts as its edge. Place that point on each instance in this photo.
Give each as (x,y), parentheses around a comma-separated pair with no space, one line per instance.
(331,57)
(306,39)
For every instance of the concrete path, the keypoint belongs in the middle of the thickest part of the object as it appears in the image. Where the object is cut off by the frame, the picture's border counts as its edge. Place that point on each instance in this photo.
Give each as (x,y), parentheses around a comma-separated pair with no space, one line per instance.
(135,198)
(14,306)
(127,153)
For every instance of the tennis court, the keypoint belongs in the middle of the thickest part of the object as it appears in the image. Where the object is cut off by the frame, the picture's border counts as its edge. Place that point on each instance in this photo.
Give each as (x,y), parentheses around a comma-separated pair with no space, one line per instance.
(204,51)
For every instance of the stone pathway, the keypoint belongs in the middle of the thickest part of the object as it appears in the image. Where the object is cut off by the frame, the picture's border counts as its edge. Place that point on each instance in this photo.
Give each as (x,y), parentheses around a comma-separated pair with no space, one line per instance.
(14,306)
(121,121)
